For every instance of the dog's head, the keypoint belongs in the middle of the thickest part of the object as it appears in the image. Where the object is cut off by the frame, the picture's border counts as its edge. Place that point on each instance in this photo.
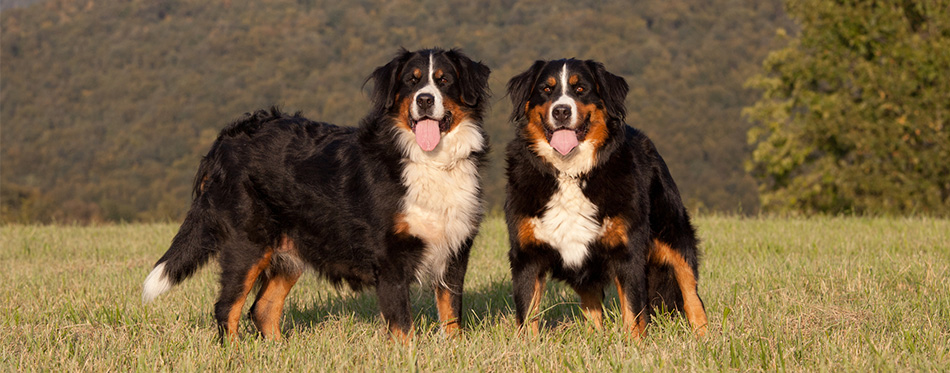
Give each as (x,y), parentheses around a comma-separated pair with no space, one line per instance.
(567,106)
(429,93)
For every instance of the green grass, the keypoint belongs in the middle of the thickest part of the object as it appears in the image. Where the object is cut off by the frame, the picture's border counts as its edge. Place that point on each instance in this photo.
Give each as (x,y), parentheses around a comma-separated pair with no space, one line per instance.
(791,294)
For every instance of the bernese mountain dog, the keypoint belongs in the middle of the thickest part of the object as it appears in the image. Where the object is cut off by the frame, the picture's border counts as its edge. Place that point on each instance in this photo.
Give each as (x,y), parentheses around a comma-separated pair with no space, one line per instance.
(590,201)
(394,201)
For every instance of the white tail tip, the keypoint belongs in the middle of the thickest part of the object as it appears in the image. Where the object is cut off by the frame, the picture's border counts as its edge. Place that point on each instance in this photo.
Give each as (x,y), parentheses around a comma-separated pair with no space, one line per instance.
(156,283)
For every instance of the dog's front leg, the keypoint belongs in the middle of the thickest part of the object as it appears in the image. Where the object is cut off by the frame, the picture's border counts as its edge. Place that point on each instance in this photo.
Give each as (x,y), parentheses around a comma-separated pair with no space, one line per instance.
(448,291)
(393,295)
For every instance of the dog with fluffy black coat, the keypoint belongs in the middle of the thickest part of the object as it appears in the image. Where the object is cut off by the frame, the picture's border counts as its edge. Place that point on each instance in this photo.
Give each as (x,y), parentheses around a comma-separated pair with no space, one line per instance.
(590,201)
(394,201)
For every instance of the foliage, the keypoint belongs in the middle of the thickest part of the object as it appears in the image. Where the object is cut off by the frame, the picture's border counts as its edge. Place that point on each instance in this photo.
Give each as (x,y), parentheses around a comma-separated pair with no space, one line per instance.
(822,294)
(855,114)
(107,106)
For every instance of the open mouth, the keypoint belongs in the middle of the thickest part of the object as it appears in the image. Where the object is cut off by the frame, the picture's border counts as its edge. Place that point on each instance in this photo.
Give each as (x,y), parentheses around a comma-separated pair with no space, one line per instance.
(563,139)
(429,131)
(443,123)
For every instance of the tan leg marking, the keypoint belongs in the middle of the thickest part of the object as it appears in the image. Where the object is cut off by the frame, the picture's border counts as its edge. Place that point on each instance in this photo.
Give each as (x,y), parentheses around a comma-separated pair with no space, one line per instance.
(534,308)
(234,316)
(447,316)
(592,306)
(692,306)
(400,335)
(270,304)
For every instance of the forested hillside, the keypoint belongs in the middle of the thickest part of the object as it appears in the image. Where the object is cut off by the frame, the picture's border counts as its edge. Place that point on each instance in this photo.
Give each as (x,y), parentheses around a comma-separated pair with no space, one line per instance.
(107,106)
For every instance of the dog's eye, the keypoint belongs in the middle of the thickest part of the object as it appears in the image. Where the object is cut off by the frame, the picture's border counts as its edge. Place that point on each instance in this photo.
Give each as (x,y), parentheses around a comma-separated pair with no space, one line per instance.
(579,89)
(443,81)
(546,89)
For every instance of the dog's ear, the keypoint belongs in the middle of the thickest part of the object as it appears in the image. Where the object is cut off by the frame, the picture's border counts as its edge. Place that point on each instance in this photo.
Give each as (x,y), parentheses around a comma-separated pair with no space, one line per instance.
(473,77)
(384,81)
(520,88)
(612,88)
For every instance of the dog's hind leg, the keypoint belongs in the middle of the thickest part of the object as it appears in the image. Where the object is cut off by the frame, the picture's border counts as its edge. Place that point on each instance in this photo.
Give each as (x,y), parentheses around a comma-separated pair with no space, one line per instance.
(276,283)
(686,280)
(269,305)
(238,276)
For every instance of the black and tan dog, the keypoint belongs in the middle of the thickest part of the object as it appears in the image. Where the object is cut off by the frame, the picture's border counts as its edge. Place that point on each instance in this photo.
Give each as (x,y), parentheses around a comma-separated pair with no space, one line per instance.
(394,201)
(590,201)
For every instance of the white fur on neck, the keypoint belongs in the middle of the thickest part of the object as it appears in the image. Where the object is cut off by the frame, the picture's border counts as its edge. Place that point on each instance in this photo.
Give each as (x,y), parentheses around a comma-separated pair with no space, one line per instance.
(441,203)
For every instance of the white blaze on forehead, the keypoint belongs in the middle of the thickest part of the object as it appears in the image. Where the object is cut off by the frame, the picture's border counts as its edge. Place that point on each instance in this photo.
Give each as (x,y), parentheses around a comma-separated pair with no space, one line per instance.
(437,110)
(564,99)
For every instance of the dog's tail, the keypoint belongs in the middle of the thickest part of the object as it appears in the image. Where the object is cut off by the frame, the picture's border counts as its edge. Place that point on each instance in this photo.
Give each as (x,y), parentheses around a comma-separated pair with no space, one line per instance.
(191,248)
(197,239)
(203,231)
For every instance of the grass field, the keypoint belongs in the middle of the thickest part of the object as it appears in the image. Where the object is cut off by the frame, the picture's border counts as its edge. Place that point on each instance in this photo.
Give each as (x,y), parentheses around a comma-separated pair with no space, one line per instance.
(781,294)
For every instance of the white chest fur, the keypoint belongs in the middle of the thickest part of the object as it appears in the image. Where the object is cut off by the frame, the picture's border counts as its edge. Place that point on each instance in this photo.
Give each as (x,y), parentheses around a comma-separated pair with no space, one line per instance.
(568,223)
(441,202)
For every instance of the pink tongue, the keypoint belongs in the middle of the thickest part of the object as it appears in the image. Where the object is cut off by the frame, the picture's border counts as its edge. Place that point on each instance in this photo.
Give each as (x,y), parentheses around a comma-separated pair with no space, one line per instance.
(427,134)
(564,141)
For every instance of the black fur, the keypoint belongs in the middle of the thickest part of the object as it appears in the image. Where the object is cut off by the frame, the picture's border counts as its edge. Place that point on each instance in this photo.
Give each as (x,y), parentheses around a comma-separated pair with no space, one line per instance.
(334,192)
(628,181)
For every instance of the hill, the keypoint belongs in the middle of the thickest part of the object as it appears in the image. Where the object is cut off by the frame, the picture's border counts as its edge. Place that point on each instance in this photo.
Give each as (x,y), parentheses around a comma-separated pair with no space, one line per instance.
(107,107)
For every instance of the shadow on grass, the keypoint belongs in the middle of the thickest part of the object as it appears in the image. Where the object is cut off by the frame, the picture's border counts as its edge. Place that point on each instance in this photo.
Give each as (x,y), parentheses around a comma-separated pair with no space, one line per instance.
(483,307)
(485,303)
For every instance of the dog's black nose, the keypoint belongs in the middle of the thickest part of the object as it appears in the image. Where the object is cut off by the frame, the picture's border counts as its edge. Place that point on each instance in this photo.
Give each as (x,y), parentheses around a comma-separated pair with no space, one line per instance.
(425,101)
(561,113)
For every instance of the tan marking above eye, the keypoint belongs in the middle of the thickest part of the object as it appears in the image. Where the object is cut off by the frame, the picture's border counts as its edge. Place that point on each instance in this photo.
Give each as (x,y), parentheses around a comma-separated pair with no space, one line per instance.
(417,73)
(438,74)
(551,82)
(573,80)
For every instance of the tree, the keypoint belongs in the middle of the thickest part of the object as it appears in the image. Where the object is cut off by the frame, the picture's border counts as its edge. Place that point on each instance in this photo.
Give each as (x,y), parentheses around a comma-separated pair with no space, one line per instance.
(855,111)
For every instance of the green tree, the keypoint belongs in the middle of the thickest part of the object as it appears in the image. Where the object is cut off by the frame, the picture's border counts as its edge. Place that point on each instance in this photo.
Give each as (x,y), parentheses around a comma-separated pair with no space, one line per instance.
(855,111)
